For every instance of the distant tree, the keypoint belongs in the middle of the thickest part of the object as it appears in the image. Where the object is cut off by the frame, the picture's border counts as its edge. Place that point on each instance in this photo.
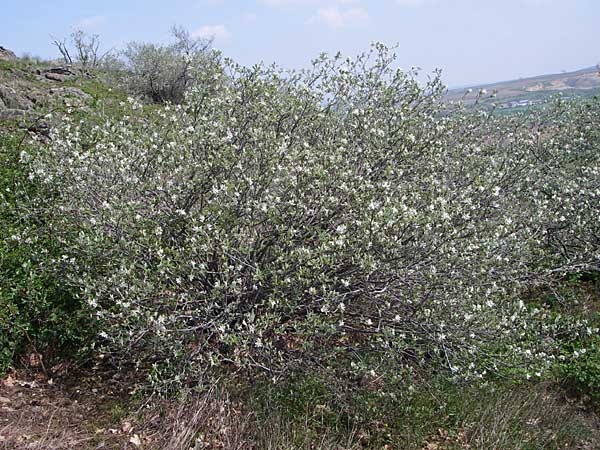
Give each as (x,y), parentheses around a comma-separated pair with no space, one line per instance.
(81,48)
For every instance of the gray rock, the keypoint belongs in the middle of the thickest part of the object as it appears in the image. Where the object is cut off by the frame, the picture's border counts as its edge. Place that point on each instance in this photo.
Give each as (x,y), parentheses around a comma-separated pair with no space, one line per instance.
(70,92)
(61,70)
(40,128)
(59,73)
(13,99)
(56,76)
(7,55)
(11,114)
(37,96)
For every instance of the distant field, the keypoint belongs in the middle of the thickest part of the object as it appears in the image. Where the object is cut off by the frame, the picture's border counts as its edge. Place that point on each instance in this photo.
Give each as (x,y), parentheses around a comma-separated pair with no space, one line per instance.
(516,94)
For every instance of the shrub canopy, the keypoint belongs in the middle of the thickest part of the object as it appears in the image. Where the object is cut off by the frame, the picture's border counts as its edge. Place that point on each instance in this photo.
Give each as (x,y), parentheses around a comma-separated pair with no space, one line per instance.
(277,219)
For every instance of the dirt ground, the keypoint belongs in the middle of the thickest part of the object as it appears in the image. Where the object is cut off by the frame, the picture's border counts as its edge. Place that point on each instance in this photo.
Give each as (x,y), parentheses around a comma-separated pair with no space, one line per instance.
(41,412)
(93,410)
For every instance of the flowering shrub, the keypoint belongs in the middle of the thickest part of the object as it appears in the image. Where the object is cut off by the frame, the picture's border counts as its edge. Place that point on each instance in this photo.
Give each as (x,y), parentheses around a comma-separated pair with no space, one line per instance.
(279,219)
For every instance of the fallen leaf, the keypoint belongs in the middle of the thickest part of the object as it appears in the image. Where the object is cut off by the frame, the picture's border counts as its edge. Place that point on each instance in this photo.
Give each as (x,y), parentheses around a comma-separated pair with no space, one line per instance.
(35,360)
(135,440)
(127,427)
(9,381)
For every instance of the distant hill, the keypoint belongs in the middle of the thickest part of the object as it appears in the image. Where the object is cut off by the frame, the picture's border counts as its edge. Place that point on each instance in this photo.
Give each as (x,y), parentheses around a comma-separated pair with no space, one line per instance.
(527,91)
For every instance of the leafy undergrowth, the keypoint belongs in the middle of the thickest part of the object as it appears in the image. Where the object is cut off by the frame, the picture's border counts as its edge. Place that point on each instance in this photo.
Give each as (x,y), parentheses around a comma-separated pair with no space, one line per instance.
(37,312)
(578,367)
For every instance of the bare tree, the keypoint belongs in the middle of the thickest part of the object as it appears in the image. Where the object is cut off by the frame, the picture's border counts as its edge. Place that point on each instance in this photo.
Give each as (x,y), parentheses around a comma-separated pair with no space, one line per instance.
(85,49)
(63,48)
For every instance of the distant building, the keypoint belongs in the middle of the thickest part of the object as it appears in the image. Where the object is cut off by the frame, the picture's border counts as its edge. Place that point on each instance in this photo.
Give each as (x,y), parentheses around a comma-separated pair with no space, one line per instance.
(519,103)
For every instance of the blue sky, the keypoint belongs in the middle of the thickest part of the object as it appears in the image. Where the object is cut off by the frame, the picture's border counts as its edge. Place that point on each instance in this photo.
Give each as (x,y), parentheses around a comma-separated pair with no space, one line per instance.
(472,41)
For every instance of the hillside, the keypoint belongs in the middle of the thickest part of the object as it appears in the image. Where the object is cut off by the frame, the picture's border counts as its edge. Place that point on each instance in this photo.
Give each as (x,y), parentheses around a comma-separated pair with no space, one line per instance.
(34,93)
(527,91)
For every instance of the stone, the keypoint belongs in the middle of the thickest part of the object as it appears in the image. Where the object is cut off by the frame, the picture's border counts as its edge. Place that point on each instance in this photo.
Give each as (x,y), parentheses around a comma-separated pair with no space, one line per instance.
(14,100)
(60,73)
(37,96)
(11,114)
(61,70)
(7,55)
(43,129)
(71,92)
(55,76)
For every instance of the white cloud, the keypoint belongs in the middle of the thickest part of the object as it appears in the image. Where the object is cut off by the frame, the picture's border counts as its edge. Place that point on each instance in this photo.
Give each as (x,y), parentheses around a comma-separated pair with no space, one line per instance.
(90,22)
(216,32)
(334,17)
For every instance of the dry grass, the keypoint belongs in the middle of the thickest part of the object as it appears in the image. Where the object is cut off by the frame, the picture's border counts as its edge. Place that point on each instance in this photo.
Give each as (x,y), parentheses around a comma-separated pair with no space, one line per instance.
(524,418)
(212,420)
(208,420)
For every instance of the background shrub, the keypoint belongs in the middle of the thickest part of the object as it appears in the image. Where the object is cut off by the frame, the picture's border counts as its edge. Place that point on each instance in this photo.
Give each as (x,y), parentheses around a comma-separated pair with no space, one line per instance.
(162,73)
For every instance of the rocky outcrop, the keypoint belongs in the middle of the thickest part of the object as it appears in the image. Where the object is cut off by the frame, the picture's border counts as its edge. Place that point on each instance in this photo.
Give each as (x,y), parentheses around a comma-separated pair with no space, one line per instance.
(13,114)
(29,91)
(59,73)
(71,92)
(12,99)
(7,55)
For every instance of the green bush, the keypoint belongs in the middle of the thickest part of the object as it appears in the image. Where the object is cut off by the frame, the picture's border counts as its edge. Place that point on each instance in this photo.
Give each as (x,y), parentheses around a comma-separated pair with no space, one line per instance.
(577,367)
(579,371)
(37,310)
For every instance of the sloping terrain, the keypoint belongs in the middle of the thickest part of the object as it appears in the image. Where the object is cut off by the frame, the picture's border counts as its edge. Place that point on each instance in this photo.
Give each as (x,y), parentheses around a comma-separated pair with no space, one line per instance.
(32,91)
(527,91)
